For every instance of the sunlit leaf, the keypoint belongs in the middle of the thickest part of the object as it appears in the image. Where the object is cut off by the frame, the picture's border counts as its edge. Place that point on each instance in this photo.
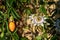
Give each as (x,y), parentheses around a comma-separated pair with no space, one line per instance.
(1,13)
(38,38)
(2,34)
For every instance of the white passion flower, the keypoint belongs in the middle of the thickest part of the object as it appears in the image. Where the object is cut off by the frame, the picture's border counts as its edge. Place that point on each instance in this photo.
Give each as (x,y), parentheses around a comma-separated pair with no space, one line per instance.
(37,20)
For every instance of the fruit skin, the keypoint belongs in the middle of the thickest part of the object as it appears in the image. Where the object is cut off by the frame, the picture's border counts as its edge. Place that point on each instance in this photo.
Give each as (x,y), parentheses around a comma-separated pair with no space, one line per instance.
(11,26)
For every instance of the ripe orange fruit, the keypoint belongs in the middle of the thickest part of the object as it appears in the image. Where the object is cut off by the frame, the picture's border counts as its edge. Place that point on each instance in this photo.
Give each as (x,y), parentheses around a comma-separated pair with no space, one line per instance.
(11,26)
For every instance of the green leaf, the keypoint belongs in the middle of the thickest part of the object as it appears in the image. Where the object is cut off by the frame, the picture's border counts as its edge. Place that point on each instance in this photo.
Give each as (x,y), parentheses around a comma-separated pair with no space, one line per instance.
(54,37)
(38,38)
(44,35)
(3,27)
(23,38)
(15,36)
(28,1)
(43,10)
(7,27)
(14,11)
(5,16)
(28,11)
(10,2)
(8,12)
(13,15)
(2,38)
(1,17)
(2,34)
(23,1)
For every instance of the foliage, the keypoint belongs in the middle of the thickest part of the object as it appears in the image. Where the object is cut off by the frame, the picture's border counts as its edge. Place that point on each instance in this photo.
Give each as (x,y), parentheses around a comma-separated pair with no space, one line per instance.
(17,9)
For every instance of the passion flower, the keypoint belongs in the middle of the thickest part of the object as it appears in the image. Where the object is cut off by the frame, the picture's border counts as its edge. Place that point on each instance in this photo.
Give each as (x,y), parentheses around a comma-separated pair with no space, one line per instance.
(37,20)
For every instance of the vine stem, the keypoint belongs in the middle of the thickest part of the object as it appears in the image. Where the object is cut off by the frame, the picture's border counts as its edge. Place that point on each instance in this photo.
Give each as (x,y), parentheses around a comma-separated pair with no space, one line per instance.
(36,2)
(37,6)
